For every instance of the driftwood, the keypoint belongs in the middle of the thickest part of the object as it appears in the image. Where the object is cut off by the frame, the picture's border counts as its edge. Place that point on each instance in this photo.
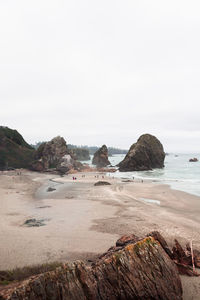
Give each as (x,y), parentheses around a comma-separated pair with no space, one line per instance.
(181,257)
(186,259)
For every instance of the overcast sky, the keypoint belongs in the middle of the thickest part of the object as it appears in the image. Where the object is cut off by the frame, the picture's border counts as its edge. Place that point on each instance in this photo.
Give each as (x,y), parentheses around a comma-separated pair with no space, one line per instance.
(100,72)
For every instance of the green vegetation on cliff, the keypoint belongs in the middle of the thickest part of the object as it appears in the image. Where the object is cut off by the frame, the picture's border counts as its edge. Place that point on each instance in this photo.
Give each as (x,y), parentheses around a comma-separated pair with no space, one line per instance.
(14,151)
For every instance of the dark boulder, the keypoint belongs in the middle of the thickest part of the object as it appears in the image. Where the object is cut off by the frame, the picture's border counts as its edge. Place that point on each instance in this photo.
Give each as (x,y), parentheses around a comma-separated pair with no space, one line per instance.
(193,159)
(146,154)
(99,183)
(100,158)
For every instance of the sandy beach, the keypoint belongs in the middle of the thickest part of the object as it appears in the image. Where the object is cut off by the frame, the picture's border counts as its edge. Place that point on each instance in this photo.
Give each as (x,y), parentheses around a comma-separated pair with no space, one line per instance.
(82,220)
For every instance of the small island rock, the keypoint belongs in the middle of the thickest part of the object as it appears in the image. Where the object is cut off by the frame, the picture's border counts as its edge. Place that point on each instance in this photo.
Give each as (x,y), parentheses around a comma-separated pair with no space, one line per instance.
(193,159)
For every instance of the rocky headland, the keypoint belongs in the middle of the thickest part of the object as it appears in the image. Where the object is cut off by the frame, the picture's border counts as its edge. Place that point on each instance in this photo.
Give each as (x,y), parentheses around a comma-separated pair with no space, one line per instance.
(146,154)
(14,151)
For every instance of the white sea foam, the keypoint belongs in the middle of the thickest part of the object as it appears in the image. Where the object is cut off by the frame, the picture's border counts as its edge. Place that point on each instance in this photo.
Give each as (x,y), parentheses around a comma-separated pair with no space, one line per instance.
(178,172)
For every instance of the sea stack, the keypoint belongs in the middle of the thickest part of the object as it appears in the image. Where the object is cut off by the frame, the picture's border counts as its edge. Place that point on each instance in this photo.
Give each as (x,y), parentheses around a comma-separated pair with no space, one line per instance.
(100,158)
(146,154)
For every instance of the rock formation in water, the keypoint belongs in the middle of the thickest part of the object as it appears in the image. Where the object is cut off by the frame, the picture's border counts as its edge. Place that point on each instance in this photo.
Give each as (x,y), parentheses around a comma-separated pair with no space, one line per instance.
(100,158)
(146,154)
(55,154)
(193,159)
(138,270)
(14,151)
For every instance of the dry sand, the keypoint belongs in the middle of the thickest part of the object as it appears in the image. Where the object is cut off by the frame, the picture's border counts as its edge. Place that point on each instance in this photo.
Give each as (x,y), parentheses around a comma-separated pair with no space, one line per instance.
(83,221)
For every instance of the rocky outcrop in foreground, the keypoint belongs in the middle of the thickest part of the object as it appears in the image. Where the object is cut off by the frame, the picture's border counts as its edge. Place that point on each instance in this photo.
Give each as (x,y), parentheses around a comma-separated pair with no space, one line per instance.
(55,155)
(14,151)
(100,158)
(146,154)
(132,270)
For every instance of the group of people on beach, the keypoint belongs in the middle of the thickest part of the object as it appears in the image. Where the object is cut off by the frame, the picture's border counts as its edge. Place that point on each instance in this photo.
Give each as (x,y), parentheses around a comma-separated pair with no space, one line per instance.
(97,176)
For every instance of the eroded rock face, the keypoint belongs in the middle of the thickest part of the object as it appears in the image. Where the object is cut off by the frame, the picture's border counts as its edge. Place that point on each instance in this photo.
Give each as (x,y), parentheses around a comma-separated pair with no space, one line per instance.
(50,153)
(141,270)
(146,154)
(100,158)
(54,154)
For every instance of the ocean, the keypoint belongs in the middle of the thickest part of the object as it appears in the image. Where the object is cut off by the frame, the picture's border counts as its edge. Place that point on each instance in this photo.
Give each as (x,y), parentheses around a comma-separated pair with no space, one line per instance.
(178,172)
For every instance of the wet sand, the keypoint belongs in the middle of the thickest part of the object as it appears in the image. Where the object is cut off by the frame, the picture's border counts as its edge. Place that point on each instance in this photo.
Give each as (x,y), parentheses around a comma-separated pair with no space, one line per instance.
(82,221)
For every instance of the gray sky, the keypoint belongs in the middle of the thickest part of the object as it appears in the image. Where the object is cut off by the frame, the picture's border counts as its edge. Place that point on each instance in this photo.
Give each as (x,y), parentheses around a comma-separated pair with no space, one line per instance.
(100,72)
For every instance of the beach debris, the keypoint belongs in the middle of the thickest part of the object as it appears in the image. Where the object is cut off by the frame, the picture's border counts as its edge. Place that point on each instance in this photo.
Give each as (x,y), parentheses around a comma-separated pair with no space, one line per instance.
(182,258)
(51,189)
(146,154)
(100,158)
(196,255)
(140,270)
(99,183)
(152,201)
(44,206)
(127,180)
(35,222)
(69,197)
(192,254)
(193,159)
(186,259)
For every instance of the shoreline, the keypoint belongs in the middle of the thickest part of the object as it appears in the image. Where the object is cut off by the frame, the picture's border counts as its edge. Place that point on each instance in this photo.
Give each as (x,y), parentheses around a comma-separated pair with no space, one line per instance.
(83,221)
